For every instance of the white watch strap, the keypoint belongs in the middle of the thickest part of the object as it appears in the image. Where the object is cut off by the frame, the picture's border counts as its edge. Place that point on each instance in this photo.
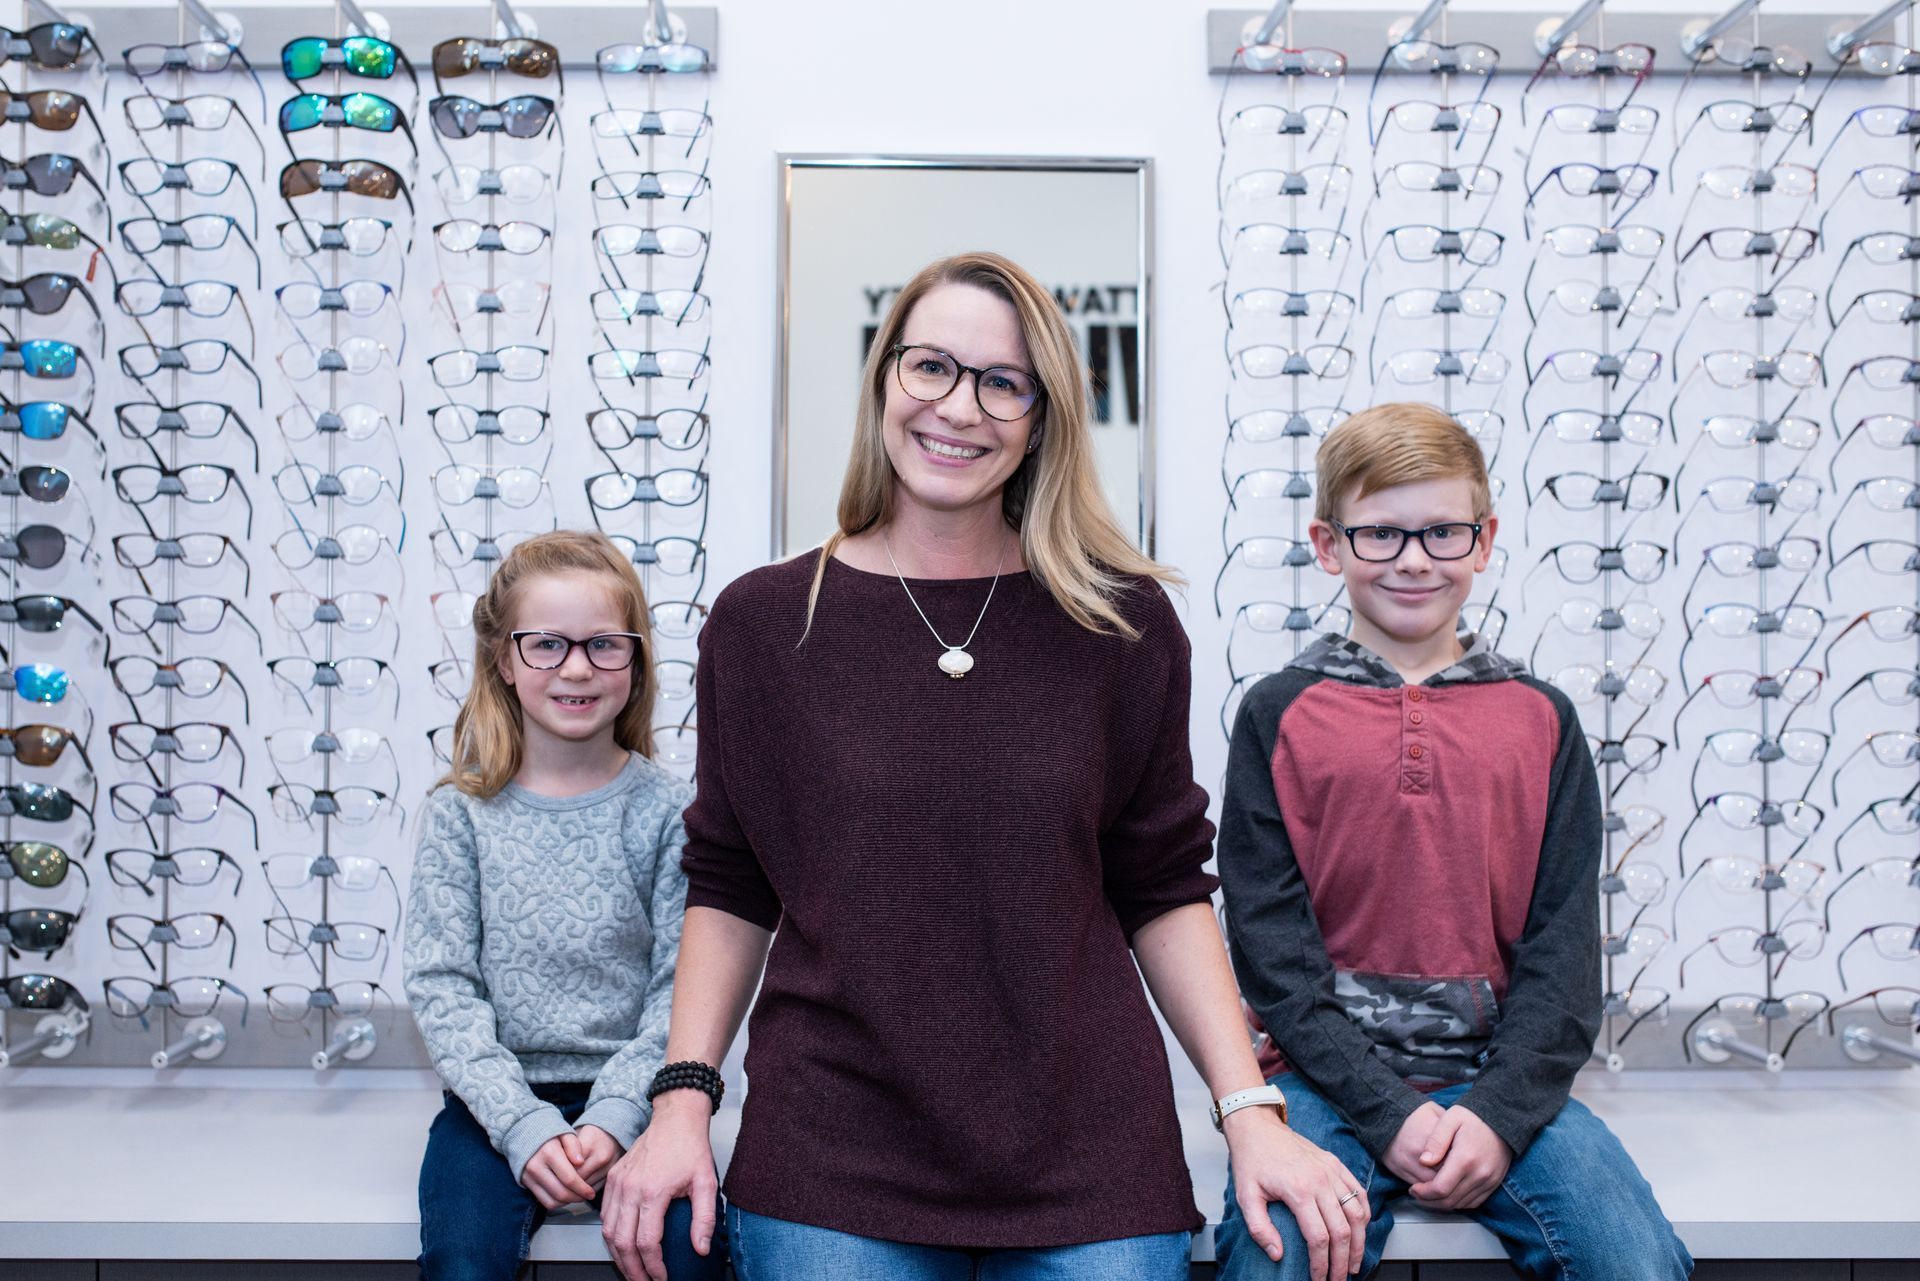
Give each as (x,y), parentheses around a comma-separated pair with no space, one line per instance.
(1259,1095)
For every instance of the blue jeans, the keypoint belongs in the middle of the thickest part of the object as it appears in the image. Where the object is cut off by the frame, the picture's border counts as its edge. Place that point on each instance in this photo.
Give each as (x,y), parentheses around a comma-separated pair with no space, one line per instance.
(476,1221)
(1574,1208)
(767,1249)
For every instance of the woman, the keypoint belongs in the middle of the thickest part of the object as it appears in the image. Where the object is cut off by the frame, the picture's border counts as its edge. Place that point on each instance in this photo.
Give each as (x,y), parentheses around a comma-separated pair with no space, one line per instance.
(946,757)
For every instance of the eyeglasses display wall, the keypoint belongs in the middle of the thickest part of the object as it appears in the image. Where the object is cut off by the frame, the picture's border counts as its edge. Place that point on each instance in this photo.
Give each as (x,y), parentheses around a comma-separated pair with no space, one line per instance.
(1677,306)
(292,267)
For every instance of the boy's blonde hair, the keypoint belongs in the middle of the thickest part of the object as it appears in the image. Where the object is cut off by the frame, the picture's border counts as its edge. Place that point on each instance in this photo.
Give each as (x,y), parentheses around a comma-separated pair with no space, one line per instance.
(1074,546)
(489,739)
(1397,444)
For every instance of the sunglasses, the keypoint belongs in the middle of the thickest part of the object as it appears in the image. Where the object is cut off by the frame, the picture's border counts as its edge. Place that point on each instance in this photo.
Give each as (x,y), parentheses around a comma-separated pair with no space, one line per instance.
(469,55)
(353,177)
(39,864)
(39,992)
(363,56)
(43,804)
(36,682)
(44,614)
(357,110)
(54,110)
(48,174)
(37,929)
(521,116)
(51,46)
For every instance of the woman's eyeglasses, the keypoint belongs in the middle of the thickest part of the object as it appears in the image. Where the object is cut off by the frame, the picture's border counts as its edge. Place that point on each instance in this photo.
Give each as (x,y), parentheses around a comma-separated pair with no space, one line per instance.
(608,651)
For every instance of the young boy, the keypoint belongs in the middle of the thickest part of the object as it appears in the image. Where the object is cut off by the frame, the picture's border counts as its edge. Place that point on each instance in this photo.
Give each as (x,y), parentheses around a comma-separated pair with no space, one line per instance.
(1409,849)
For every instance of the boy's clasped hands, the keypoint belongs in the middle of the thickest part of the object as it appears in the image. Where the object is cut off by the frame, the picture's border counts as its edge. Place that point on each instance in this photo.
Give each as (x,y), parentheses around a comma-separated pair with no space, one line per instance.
(571,1167)
(1449,1158)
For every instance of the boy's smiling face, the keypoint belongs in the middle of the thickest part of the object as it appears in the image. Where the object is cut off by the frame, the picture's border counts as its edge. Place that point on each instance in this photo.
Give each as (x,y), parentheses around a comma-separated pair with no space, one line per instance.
(1412,601)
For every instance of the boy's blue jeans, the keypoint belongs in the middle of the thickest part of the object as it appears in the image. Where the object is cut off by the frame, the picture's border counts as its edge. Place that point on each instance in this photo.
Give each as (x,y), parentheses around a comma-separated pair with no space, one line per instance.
(1574,1208)
(766,1249)
(476,1221)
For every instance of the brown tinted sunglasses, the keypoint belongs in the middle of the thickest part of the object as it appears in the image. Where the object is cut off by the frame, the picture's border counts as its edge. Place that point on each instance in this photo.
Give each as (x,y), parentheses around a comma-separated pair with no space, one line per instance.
(357,177)
(40,745)
(47,108)
(465,55)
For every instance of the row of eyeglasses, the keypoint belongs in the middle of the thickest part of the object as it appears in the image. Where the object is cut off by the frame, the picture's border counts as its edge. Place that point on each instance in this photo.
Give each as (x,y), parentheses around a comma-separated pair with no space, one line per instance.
(649,361)
(49,791)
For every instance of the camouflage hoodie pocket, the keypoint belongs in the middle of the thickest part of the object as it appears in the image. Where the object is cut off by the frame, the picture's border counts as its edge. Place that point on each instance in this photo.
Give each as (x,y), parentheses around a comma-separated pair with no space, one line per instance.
(1430,1031)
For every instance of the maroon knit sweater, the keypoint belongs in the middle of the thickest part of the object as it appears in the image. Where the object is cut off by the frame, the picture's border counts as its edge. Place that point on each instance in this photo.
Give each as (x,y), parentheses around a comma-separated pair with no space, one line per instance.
(951,1045)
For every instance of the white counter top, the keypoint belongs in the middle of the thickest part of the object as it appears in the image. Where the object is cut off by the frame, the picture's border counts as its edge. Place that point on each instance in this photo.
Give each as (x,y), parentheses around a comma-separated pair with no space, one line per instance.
(201,1173)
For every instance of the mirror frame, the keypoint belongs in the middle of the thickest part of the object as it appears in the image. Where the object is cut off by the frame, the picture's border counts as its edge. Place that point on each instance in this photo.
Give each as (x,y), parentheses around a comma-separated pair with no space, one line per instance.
(1142,168)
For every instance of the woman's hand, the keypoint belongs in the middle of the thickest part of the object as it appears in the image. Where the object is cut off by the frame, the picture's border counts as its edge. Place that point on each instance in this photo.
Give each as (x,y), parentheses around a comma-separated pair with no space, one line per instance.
(1272,1163)
(672,1158)
(549,1174)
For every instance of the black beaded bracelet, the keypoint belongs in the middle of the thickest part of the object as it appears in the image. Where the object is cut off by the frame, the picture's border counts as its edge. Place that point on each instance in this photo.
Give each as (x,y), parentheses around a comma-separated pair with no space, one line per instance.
(689,1075)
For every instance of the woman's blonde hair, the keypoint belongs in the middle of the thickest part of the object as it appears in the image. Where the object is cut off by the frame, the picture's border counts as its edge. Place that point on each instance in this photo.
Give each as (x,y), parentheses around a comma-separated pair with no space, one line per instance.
(1072,543)
(1397,444)
(489,739)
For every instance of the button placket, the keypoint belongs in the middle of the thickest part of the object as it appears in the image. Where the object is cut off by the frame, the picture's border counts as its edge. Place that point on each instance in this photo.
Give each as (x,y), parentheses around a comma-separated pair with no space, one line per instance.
(1416,750)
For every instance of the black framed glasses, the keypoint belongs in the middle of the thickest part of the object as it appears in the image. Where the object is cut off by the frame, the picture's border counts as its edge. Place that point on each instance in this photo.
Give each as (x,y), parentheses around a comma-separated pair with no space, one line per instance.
(194,742)
(132,932)
(191,866)
(545,651)
(51,46)
(1449,540)
(195,676)
(195,550)
(930,375)
(129,997)
(49,173)
(184,802)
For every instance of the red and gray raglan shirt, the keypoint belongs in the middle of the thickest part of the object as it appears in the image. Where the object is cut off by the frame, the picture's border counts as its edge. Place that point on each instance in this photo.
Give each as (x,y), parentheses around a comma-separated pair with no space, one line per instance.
(1411,883)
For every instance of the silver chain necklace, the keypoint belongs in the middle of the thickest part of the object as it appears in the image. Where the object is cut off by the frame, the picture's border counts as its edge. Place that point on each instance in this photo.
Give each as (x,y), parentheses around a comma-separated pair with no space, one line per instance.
(955,662)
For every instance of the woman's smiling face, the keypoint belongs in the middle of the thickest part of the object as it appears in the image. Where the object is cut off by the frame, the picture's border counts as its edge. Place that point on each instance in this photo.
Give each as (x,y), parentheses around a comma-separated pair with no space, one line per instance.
(949,454)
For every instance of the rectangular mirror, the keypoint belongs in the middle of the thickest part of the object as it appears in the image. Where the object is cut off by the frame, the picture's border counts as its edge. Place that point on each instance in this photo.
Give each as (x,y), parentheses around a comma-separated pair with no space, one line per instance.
(854,229)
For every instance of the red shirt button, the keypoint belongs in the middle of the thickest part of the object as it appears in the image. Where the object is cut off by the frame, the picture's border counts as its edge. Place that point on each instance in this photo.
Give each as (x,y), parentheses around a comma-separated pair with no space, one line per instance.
(1415,717)
(1415,695)
(1415,751)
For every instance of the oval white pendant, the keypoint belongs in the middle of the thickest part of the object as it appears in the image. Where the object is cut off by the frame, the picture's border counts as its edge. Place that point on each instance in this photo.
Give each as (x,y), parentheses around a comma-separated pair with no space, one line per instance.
(956,663)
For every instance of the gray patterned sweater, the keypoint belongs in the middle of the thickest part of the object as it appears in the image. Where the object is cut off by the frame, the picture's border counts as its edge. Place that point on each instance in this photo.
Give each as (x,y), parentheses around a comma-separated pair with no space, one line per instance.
(541,938)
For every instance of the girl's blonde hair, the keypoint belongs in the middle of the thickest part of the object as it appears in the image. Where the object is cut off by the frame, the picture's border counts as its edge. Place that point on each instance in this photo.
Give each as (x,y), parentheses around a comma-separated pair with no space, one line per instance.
(489,739)
(1072,543)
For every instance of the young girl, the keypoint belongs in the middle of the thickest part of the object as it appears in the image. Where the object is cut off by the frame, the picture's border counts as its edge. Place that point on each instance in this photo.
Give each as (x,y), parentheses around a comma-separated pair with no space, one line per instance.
(544,918)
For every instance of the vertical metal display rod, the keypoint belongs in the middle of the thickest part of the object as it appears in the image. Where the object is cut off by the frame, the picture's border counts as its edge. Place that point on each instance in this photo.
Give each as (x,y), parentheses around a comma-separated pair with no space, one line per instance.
(12,646)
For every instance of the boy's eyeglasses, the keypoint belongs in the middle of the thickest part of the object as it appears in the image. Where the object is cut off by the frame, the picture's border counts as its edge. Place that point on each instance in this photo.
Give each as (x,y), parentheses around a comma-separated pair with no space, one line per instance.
(608,651)
(1449,540)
